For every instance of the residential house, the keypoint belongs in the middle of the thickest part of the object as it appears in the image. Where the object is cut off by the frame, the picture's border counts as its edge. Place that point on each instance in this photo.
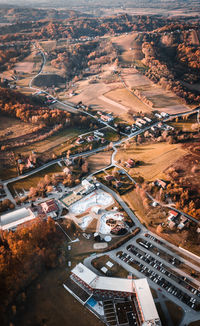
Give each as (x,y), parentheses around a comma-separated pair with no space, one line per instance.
(130,163)
(183,222)
(50,208)
(80,140)
(160,183)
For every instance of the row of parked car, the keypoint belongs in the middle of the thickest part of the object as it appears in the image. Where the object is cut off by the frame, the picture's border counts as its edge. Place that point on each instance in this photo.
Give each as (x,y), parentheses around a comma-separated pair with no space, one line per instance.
(155,277)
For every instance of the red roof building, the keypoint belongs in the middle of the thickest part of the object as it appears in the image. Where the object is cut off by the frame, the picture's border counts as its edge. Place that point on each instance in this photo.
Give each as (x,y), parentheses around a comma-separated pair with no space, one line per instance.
(130,163)
(49,206)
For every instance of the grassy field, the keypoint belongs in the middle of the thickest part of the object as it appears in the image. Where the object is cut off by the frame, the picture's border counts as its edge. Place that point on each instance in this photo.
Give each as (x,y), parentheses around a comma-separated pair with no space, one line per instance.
(125,97)
(99,161)
(15,126)
(185,125)
(155,158)
(130,47)
(48,303)
(58,143)
(33,180)
(135,203)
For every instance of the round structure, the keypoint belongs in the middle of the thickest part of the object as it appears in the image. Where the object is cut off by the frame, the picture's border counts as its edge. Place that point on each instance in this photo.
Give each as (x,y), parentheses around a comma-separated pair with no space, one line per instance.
(107,238)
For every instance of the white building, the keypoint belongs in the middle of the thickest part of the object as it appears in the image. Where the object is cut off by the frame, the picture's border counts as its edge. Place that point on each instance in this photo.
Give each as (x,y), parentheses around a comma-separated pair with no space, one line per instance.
(137,291)
(11,220)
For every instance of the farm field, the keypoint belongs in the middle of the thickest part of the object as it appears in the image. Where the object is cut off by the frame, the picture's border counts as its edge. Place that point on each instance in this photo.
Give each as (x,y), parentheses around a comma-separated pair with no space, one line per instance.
(131,48)
(127,99)
(99,161)
(32,181)
(185,125)
(55,143)
(162,100)
(15,127)
(155,158)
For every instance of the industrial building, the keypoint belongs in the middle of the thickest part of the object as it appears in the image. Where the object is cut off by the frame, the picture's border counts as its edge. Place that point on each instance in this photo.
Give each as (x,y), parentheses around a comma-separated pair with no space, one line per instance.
(116,301)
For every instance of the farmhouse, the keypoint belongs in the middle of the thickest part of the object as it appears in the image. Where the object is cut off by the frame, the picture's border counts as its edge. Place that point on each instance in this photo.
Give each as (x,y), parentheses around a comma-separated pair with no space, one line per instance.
(106,118)
(98,133)
(90,139)
(80,140)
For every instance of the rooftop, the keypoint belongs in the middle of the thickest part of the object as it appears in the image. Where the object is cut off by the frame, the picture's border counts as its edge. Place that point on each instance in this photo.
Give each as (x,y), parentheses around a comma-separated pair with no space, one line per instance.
(13,219)
(144,295)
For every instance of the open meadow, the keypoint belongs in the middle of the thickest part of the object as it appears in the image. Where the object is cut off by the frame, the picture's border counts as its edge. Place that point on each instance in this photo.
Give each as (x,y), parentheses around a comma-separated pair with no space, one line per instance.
(13,128)
(154,158)
(127,99)
(99,161)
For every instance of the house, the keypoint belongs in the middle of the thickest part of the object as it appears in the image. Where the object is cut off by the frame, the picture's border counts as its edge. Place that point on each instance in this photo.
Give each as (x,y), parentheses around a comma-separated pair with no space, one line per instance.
(29,164)
(90,139)
(67,171)
(80,140)
(157,115)
(172,225)
(130,163)
(147,119)
(160,125)
(50,208)
(183,222)
(143,122)
(98,133)
(106,118)
(164,114)
(138,124)
(103,140)
(172,216)
(109,177)
(160,183)
(68,162)
(133,129)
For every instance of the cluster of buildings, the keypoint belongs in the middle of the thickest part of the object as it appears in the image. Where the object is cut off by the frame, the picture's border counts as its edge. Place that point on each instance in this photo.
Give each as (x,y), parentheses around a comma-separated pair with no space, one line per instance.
(105,117)
(176,220)
(142,122)
(96,136)
(116,301)
(11,220)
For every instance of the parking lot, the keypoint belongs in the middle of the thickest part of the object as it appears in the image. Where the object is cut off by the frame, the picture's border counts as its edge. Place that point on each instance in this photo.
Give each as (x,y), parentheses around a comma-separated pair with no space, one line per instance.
(160,274)
(163,268)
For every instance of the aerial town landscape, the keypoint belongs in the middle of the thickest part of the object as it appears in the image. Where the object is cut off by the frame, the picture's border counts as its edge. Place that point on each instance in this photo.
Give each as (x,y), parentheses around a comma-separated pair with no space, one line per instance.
(100,163)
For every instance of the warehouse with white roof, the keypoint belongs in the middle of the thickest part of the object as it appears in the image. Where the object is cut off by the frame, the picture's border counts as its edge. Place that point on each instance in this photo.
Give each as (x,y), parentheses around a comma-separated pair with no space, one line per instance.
(11,220)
